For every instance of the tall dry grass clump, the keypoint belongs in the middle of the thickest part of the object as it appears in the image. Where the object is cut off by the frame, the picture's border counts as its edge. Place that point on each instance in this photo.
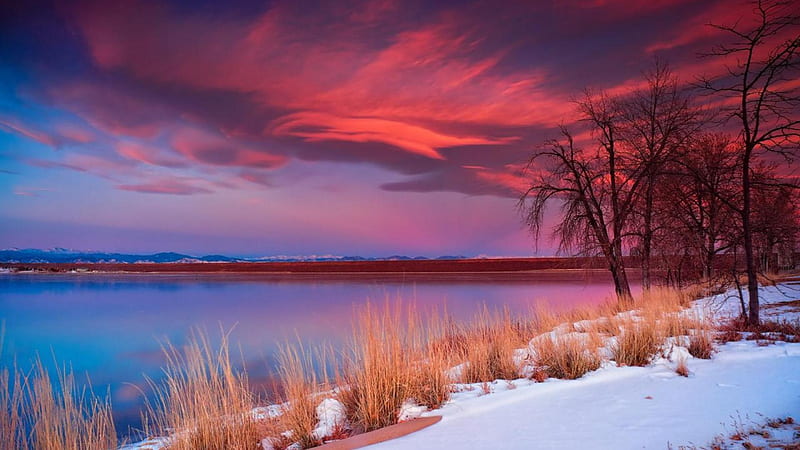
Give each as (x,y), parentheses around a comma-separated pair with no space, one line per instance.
(12,429)
(638,343)
(430,382)
(543,318)
(681,368)
(701,343)
(64,416)
(659,301)
(40,412)
(566,356)
(202,401)
(299,385)
(393,357)
(678,324)
(375,376)
(490,341)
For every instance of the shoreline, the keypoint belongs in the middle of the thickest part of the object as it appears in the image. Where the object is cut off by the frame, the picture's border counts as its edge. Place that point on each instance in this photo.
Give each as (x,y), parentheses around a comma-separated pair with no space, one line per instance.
(504,266)
(517,277)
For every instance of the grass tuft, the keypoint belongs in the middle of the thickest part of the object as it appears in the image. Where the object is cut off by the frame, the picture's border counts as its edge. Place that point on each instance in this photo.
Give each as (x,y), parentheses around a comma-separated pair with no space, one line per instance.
(386,366)
(637,344)
(40,412)
(490,345)
(682,369)
(701,344)
(566,356)
(203,402)
(299,385)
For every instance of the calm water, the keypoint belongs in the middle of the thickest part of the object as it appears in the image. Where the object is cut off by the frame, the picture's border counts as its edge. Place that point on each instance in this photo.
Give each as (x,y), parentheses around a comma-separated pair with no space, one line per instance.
(110,326)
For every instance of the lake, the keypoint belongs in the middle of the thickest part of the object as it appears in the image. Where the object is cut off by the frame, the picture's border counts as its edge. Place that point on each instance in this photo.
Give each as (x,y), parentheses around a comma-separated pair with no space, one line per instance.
(111,326)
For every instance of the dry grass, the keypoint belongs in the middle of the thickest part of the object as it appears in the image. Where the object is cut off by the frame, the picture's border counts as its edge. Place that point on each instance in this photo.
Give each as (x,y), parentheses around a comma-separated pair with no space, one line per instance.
(203,402)
(701,343)
(490,343)
(566,356)
(376,376)
(12,429)
(40,412)
(661,301)
(638,343)
(66,417)
(299,385)
(723,337)
(678,324)
(437,345)
(543,318)
(768,330)
(682,369)
(430,384)
(609,326)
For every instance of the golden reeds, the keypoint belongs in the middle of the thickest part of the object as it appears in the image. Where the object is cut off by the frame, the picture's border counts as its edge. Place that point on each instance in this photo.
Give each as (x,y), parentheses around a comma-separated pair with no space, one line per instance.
(202,401)
(40,412)
(567,356)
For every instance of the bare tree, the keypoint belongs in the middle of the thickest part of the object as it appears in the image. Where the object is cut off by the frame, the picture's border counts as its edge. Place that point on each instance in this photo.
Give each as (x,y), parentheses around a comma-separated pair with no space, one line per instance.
(695,193)
(776,216)
(595,195)
(657,122)
(761,86)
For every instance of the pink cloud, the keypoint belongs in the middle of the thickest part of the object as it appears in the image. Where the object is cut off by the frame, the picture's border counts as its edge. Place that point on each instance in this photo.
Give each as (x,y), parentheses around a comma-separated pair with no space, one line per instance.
(27,131)
(29,191)
(210,148)
(510,177)
(147,154)
(256,177)
(75,133)
(619,9)
(696,28)
(164,186)
(112,109)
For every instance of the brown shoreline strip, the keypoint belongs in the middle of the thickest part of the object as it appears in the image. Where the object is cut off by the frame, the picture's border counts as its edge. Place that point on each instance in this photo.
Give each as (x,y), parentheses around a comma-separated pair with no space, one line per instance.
(381,435)
(377,266)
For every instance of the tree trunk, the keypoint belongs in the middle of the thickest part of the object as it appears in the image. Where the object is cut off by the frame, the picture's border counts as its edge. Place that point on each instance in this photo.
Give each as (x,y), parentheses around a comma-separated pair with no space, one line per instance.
(708,270)
(749,256)
(743,312)
(646,251)
(647,236)
(621,285)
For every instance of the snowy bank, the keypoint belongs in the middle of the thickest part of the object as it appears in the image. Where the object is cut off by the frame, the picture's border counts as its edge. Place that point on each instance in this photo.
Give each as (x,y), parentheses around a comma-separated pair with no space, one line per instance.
(631,407)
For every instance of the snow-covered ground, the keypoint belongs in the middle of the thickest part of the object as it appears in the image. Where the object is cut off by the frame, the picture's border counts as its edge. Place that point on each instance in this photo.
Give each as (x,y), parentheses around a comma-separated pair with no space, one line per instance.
(632,407)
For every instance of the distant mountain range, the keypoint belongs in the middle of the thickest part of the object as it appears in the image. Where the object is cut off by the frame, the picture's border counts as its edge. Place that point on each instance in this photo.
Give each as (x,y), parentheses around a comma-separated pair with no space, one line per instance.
(62,255)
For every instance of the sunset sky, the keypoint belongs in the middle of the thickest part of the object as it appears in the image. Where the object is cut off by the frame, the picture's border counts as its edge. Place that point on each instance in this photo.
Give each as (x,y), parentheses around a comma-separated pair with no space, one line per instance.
(292,127)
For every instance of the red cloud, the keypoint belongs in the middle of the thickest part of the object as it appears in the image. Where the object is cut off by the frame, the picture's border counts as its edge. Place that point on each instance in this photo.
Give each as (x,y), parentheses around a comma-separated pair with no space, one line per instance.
(414,139)
(426,74)
(511,177)
(333,82)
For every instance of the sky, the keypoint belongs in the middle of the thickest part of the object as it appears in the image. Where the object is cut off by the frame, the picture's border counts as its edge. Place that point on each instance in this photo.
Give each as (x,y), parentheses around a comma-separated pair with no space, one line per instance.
(257,128)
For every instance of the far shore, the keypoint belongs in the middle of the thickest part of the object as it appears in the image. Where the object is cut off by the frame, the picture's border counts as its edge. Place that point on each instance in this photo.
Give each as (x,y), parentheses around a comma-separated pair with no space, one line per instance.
(500,268)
